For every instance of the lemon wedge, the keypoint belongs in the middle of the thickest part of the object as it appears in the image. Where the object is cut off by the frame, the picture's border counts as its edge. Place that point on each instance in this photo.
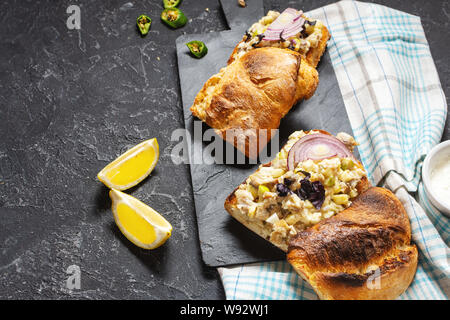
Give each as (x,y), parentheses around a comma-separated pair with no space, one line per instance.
(131,167)
(142,225)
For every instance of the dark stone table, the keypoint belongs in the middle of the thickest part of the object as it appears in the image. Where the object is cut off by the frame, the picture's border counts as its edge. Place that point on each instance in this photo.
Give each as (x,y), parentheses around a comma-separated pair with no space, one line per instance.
(70,102)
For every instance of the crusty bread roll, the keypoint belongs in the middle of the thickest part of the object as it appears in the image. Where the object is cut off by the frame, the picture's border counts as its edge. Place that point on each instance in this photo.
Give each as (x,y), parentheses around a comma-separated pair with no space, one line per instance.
(312,57)
(254,93)
(364,252)
(257,89)
(235,204)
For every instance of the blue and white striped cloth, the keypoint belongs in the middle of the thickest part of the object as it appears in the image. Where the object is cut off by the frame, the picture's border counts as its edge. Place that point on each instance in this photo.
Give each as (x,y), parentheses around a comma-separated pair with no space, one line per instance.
(397,110)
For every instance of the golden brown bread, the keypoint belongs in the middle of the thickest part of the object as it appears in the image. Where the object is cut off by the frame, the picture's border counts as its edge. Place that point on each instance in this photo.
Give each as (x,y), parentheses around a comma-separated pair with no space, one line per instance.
(254,93)
(263,229)
(364,252)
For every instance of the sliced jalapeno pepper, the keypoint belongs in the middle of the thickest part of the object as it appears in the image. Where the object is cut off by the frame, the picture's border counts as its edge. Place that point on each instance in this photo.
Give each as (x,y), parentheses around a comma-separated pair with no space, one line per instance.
(171,3)
(173,17)
(143,22)
(198,48)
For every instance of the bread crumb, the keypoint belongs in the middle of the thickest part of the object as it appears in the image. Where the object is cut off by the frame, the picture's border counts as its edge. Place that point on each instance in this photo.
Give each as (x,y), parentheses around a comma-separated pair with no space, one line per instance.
(242,3)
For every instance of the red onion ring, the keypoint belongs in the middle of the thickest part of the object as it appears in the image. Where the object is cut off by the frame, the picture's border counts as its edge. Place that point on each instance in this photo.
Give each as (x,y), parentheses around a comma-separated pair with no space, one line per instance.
(277,27)
(306,148)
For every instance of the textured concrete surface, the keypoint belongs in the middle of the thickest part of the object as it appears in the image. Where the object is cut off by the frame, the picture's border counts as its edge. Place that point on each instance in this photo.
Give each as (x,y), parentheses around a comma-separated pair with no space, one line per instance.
(70,102)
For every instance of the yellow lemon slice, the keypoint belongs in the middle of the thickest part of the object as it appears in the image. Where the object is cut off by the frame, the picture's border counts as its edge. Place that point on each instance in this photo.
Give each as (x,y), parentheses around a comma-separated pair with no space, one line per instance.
(131,167)
(142,225)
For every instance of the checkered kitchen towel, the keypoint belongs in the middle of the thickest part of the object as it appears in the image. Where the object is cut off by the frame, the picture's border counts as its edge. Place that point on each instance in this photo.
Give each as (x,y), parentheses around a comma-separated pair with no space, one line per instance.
(397,110)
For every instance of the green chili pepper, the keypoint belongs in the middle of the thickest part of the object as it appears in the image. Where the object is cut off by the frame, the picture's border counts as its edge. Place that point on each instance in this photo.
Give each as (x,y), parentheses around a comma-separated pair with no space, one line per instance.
(198,48)
(171,3)
(173,17)
(143,22)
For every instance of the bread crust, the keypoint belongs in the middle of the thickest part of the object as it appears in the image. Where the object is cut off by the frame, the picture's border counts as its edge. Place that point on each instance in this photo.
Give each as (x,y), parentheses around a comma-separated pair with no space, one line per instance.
(363,252)
(252,93)
(260,228)
(256,226)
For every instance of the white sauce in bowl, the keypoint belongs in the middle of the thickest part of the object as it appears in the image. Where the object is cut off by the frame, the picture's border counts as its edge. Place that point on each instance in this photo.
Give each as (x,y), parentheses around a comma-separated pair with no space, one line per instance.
(440,179)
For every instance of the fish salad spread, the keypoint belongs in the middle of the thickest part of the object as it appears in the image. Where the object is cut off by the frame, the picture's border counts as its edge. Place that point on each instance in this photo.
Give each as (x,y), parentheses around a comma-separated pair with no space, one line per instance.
(283,31)
(290,199)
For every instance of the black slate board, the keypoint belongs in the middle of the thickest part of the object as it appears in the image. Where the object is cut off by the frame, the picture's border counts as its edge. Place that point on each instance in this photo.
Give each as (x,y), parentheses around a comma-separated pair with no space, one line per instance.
(238,18)
(223,240)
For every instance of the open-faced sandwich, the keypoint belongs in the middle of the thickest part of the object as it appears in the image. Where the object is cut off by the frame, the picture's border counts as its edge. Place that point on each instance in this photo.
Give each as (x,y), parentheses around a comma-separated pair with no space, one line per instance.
(314,201)
(271,69)
(313,177)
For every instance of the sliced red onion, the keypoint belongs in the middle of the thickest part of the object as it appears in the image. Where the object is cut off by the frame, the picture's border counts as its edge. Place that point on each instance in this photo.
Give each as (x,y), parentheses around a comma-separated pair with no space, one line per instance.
(287,20)
(316,146)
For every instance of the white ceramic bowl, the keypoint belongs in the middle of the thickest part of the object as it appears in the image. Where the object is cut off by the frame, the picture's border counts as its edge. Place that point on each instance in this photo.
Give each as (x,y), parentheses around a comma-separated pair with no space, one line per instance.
(436,155)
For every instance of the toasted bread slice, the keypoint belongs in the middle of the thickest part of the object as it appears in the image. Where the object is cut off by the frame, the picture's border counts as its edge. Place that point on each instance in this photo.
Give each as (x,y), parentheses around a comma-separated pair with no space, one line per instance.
(363,252)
